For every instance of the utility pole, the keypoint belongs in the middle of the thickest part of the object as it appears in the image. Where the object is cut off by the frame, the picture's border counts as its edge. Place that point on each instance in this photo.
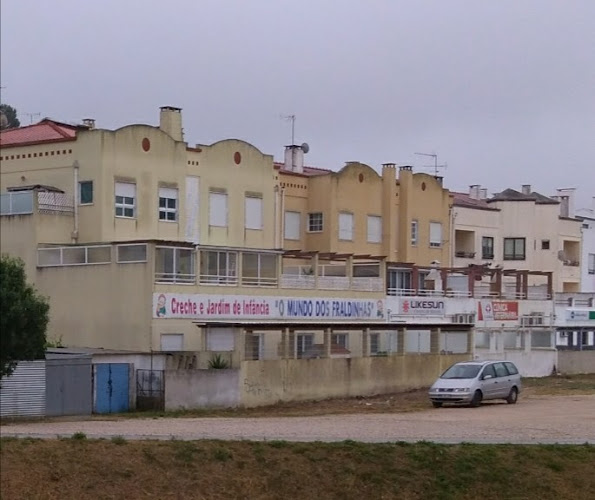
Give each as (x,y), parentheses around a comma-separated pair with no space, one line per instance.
(292,119)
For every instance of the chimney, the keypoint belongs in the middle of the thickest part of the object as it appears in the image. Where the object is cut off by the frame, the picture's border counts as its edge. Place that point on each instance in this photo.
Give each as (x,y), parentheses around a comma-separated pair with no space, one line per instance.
(170,121)
(474,191)
(89,123)
(526,189)
(294,159)
(483,194)
(566,198)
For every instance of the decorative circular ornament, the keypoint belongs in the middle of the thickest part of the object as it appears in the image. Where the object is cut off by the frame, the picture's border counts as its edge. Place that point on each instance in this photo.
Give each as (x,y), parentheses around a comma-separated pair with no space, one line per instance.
(146,144)
(237,158)
(361,177)
(423,186)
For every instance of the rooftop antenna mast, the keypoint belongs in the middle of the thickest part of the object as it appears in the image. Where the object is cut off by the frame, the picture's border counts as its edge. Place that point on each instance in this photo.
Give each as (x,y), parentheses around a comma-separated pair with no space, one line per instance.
(292,119)
(435,166)
(31,115)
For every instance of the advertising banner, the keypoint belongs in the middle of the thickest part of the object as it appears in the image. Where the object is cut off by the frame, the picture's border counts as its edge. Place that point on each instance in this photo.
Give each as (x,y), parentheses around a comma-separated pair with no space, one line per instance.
(498,310)
(247,307)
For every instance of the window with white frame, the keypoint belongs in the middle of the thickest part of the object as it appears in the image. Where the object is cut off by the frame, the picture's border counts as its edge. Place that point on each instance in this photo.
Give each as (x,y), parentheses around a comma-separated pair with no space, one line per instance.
(253,211)
(435,234)
(414,232)
(591,263)
(303,342)
(339,339)
(292,225)
(218,208)
(259,269)
(315,222)
(125,193)
(168,204)
(218,267)
(346,226)
(174,265)
(374,229)
(131,253)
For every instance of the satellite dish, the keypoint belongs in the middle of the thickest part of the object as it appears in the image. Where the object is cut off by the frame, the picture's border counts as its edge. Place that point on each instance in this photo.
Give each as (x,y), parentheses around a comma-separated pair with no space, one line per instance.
(561,255)
(305,147)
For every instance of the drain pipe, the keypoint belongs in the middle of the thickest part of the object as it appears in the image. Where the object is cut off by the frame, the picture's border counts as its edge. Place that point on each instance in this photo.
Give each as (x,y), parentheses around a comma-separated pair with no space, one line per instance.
(75,232)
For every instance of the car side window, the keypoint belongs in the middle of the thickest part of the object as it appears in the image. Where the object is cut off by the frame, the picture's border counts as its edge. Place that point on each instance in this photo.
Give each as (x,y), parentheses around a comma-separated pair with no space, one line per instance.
(501,370)
(489,370)
(511,368)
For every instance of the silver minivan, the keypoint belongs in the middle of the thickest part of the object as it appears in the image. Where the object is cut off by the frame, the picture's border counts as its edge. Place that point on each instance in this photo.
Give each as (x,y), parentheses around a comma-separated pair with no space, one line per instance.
(471,382)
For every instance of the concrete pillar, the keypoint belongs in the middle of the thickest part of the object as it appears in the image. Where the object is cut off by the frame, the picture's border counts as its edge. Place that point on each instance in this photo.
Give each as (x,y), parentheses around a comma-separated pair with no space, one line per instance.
(349,270)
(528,340)
(471,341)
(366,342)
(401,340)
(285,343)
(314,264)
(493,340)
(327,343)
(435,340)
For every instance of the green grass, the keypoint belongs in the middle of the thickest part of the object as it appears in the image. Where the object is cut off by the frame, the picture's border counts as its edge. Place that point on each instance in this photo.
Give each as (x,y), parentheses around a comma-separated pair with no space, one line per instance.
(279,469)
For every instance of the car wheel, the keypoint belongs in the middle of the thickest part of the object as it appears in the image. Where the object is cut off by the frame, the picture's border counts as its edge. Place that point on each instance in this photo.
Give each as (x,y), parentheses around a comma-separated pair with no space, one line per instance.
(513,396)
(437,404)
(477,397)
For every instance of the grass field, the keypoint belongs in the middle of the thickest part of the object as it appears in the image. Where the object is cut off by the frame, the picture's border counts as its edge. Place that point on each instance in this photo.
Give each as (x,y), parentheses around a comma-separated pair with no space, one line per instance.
(79,468)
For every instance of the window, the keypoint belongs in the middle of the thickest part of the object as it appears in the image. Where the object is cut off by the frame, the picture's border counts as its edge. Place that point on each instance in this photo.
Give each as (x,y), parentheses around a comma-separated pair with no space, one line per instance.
(220,339)
(591,263)
(168,204)
(218,209)
(125,199)
(545,244)
(131,253)
(339,339)
(414,232)
(254,346)
(303,342)
(174,265)
(511,368)
(501,370)
(374,343)
(315,222)
(172,342)
(74,256)
(435,234)
(253,212)
(514,248)
(259,269)
(374,229)
(487,247)
(489,370)
(346,226)
(218,268)
(292,225)
(85,192)
(399,282)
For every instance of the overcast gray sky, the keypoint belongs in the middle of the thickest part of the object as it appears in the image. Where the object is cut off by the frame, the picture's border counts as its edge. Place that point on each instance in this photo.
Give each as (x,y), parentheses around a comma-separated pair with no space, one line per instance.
(503,91)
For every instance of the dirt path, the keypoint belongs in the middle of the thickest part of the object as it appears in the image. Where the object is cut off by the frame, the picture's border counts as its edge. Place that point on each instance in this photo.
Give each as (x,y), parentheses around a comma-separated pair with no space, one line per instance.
(539,419)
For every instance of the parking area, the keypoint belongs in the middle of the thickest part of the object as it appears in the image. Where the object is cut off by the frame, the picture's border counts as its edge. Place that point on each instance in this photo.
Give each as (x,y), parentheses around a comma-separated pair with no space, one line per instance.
(538,419)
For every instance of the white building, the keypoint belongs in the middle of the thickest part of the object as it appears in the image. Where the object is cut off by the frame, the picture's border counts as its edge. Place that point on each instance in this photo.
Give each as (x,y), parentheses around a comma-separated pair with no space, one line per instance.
(587,218)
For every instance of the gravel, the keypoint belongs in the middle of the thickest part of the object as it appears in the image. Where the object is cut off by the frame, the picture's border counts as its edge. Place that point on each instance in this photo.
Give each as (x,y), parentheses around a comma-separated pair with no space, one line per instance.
(544,419)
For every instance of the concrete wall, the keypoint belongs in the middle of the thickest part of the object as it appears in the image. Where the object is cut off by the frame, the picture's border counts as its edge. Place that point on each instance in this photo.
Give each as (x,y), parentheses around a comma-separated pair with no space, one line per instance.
(571,362)
(268,382)
(201,389)
(534,363)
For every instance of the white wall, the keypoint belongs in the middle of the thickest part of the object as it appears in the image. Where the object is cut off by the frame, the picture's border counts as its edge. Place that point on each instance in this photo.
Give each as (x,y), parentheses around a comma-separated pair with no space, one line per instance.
(588,246)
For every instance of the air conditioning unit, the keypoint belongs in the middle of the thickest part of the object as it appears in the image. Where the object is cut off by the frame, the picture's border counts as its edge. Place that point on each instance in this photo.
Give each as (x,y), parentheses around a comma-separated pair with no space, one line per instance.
(464,319)
(533,320)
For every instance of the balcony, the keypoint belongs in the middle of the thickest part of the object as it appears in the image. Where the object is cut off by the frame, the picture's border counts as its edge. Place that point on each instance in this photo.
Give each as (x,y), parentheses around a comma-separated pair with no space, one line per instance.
(29,201)
(464,247)
(465,255)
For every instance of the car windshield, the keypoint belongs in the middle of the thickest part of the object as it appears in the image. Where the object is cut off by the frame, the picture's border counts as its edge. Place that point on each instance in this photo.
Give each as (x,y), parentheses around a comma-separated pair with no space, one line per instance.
(462,371)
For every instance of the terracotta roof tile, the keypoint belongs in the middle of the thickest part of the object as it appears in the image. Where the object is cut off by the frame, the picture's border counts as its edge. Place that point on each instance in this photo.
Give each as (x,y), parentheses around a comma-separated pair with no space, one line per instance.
(44,131)
(308,171)
(464,200)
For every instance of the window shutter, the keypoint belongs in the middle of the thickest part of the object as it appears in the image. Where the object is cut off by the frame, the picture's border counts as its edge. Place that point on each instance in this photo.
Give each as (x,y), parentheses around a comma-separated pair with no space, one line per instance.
(218,209)
(292,225)
(345,226)
(170,193)
(435,234)
(374,229)
(253,213)
(126,189)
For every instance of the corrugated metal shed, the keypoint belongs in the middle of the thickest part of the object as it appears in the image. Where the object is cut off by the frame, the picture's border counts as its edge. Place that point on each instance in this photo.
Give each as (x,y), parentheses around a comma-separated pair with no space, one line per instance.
(23,393)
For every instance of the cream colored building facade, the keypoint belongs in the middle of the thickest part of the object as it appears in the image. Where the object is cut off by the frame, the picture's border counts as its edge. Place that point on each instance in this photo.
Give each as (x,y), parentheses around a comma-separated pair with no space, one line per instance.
(520,230)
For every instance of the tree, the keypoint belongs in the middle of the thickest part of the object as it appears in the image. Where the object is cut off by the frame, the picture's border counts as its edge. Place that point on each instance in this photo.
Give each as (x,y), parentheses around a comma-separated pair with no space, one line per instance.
(11,117)
(24,316)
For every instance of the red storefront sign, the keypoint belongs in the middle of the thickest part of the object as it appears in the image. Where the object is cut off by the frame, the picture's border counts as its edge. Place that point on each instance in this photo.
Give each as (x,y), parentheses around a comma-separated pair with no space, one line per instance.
(498,310)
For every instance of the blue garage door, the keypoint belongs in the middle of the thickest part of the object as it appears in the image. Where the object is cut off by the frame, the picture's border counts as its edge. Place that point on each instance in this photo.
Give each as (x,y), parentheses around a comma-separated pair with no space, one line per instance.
(111,387)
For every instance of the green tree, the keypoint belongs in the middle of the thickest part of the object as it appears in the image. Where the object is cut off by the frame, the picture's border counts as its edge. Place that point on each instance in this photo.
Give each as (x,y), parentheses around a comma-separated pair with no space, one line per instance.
(24,316)
(10,114)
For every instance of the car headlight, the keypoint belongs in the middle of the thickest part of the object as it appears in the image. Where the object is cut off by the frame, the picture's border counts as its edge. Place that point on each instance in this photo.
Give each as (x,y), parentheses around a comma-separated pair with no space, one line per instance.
(466,389)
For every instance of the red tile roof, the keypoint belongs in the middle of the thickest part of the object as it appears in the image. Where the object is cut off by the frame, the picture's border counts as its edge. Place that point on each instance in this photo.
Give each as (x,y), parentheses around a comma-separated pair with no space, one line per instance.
(464,200)
(308,171)
(45,131)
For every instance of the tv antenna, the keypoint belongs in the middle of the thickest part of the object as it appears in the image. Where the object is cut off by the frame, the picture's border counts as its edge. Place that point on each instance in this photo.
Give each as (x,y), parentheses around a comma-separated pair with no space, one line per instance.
(435,166)
(292,119)
(31,115)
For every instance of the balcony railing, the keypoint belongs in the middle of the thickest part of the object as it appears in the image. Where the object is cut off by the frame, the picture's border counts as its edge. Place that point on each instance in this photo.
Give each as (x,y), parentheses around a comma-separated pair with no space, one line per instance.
(23,203)
(218,279)
(259,281)
(19,203)
(186,279)
(298,282)
(367,284)
(574,263)
(465,255)
(333,283)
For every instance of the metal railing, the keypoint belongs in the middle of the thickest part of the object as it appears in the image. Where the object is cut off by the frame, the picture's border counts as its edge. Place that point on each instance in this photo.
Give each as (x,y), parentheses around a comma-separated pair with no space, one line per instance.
(298,282)
(178,278)
(218,279)
(260,281)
